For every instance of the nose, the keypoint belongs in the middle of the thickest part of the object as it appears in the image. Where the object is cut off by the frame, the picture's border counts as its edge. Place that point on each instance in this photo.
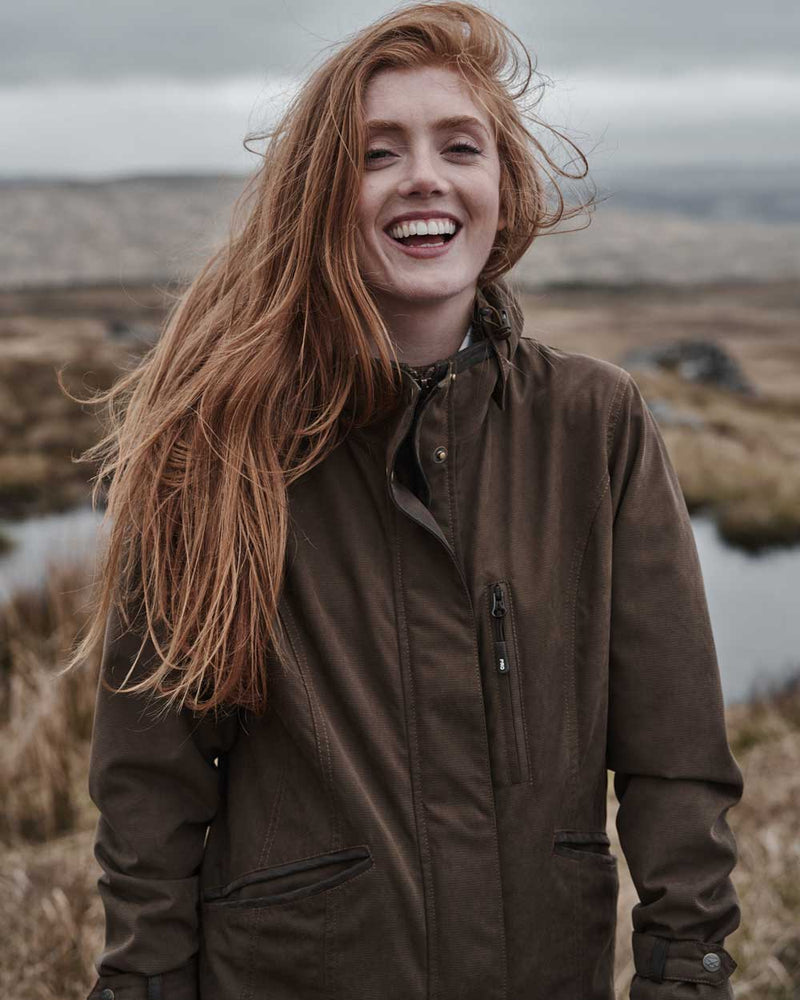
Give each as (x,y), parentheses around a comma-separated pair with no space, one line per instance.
(423,175)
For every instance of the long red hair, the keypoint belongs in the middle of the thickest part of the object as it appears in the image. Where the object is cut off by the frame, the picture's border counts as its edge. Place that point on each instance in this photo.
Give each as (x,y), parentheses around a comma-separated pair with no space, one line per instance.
(272,353)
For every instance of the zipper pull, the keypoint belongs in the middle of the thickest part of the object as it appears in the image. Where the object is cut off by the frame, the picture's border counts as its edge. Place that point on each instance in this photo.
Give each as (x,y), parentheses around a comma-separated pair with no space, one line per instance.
(498,604)
(501,656)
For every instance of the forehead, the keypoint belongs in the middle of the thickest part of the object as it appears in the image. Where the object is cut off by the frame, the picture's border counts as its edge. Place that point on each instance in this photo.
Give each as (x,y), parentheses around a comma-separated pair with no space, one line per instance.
(420,97)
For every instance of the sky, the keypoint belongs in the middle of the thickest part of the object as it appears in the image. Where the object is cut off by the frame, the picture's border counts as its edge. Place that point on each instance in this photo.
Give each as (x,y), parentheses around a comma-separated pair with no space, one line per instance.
(96,90)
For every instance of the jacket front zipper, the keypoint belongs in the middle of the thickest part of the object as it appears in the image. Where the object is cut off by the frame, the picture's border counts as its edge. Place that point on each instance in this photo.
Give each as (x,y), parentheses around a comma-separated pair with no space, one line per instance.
(506,669)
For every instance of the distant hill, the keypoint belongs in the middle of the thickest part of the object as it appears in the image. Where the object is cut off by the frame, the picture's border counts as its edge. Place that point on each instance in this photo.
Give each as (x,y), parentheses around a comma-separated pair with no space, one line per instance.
(668,225)
(714,192)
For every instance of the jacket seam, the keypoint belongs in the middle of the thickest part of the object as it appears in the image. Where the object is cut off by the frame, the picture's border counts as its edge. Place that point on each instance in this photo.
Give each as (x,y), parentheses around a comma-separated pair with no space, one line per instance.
(327,771)
(450,472)
(476,651)
(571,699)
(576,572)
(570,687)
(602,490)
(416,775)
(615,408)
(263,856)
(314,709)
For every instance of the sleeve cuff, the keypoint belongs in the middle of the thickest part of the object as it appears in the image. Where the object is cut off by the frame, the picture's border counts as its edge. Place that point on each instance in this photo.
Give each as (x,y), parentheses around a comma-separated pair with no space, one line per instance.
(178,984)
(689,961)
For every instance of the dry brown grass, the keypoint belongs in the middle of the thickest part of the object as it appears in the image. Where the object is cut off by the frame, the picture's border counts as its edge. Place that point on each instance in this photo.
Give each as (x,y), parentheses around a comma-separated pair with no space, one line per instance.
(49,905)
(766,740)
(52,919)
(41,429)
(46,717)
(743,463)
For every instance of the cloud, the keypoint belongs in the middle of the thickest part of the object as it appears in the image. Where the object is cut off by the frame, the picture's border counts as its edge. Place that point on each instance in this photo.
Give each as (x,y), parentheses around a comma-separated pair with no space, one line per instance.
(157,124)
(83,39)
(135,125)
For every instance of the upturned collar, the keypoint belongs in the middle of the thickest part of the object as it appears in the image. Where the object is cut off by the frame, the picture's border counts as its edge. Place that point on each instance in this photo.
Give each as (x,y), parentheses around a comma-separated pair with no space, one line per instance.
(497,324)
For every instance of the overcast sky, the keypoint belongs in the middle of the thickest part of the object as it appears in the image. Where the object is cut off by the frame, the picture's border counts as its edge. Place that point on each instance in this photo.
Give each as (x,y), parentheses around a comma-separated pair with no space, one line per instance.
(94,89)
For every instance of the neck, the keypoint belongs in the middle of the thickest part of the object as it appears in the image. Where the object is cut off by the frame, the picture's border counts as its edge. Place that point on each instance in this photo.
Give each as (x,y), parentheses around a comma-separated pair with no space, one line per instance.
(424,332)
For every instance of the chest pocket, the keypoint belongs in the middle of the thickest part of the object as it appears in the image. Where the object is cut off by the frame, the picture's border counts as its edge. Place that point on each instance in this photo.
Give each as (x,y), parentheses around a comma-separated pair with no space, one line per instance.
(502,688)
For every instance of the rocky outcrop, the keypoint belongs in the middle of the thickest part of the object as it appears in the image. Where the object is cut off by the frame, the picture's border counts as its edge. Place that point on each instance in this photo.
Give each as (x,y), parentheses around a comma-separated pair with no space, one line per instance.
(695,360)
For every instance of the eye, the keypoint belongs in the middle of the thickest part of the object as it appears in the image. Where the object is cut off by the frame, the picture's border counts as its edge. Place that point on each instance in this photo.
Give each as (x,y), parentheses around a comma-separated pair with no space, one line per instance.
(459,148)
(463,148)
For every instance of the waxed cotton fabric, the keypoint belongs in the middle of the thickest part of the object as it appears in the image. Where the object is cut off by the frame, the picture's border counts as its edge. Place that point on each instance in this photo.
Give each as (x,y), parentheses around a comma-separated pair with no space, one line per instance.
(492,596)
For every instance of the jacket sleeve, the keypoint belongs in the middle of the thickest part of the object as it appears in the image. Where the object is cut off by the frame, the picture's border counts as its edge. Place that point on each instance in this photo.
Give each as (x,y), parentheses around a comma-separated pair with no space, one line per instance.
(156,786)
(674,774)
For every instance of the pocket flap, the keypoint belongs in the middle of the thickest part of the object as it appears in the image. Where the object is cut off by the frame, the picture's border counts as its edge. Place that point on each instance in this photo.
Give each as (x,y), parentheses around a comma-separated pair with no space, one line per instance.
(293,879)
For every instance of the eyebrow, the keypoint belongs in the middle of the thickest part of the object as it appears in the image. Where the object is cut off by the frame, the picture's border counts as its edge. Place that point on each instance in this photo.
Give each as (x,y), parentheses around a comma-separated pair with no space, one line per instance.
(457,121)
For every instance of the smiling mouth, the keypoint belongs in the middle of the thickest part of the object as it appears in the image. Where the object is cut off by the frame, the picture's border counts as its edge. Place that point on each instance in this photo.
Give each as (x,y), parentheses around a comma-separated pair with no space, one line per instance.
(438,239)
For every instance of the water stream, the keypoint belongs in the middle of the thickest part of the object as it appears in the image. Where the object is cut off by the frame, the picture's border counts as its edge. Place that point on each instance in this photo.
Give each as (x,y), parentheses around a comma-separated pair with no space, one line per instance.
(753,599)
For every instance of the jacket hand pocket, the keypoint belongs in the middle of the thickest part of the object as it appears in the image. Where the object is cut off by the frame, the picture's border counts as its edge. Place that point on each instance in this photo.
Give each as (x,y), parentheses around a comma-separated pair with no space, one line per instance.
(580,845)
(292,880)
(277,928)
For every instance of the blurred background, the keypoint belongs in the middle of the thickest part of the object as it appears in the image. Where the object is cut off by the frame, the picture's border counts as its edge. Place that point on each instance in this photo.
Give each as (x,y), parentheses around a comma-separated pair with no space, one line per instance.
(121,154)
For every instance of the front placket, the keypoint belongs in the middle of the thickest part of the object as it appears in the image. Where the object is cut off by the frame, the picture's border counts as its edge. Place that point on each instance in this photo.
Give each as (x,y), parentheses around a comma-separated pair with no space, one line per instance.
(448,748)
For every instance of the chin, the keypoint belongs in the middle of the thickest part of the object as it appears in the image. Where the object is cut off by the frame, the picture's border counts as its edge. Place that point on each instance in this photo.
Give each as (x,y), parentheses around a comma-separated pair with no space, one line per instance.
(433,287)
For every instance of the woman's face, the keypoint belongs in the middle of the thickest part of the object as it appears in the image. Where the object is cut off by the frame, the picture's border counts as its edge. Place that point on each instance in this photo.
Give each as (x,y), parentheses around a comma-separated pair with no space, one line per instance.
(431,156)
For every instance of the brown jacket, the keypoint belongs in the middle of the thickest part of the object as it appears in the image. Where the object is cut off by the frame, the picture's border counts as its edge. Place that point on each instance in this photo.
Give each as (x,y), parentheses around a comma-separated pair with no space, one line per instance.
(482,621)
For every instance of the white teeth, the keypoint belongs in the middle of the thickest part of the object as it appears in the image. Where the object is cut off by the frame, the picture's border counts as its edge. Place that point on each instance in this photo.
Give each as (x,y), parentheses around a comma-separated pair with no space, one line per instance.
(423,227)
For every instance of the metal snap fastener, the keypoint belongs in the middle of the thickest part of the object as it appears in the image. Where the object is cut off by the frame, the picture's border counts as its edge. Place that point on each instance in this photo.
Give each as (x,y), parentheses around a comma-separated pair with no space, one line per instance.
(711,962)
(106,994)
(440,454)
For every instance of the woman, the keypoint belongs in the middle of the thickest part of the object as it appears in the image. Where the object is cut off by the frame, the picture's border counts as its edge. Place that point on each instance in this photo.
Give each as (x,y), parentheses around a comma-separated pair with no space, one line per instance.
(390,586)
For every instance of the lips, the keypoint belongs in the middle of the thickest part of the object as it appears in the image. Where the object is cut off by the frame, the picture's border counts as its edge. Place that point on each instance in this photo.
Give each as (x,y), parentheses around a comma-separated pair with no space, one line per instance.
(424,252)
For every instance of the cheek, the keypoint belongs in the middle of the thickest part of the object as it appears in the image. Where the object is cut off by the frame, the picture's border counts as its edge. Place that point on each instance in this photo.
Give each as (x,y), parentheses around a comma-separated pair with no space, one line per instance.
(490,199)
(367,208)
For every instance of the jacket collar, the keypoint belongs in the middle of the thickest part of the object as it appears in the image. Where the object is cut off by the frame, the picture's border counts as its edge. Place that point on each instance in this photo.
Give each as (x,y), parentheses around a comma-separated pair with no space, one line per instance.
(497,325)
(500,319)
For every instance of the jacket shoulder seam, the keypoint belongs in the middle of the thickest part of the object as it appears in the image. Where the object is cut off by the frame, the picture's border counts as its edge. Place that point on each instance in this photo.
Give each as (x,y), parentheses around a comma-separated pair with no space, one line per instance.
(615,407)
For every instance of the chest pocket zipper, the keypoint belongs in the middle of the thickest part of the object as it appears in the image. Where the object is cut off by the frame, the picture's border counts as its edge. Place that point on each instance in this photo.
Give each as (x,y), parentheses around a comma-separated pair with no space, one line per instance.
(506,677)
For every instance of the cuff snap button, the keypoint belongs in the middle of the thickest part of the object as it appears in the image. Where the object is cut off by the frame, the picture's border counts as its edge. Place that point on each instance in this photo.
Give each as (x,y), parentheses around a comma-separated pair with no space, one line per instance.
(711,962)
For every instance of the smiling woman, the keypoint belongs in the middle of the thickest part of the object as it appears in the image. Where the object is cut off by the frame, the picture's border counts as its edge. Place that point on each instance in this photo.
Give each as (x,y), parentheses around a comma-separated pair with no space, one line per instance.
(432,161)
(372,636)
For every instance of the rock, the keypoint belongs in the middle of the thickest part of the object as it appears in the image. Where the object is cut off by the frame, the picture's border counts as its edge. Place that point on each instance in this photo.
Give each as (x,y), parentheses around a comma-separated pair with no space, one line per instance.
(695,360)
(667,416)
